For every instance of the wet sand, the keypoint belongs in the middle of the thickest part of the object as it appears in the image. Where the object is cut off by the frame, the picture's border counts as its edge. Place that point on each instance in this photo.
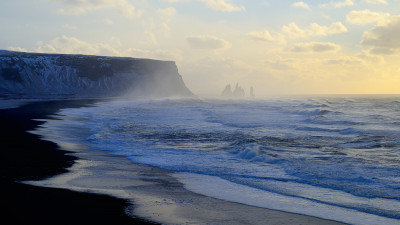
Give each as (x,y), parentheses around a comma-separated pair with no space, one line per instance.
(157,195)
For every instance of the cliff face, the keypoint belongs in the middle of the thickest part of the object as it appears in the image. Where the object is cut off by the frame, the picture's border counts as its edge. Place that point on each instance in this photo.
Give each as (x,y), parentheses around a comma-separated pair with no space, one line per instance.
(52,75)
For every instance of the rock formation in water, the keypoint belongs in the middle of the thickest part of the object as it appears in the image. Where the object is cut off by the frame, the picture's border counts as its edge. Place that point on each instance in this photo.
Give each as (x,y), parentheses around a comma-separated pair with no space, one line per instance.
(237,93)
(227,92)
(252,95)
(57,75)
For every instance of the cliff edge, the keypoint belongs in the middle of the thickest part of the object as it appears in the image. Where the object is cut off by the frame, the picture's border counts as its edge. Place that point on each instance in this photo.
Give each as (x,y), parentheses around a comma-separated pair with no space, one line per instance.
(60,75)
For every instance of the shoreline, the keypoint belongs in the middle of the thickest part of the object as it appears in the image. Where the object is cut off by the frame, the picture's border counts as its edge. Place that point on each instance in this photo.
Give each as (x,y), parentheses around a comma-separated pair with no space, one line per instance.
(155,194)
(25,156)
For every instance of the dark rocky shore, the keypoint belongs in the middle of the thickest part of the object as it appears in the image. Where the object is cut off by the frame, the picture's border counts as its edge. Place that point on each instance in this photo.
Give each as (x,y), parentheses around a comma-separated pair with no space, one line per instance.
(24,156)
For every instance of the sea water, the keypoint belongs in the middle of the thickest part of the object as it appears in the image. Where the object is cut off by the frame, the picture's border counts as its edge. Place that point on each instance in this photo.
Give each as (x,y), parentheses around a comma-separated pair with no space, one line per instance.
(332,157)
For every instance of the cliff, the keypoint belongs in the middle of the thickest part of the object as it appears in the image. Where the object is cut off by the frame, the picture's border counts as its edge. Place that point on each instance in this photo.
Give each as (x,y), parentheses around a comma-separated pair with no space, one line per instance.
(60,75)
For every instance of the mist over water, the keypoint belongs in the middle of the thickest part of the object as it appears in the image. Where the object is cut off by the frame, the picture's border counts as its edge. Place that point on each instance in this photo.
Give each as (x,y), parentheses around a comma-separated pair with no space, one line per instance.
(340,152)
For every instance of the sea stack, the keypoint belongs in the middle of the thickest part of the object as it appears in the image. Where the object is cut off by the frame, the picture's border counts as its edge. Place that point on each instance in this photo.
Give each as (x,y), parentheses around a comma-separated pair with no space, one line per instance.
(252,95)
(238,92)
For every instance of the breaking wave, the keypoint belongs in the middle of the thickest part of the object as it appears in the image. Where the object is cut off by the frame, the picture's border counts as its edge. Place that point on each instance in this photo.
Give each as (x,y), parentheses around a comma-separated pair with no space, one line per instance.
(338,152)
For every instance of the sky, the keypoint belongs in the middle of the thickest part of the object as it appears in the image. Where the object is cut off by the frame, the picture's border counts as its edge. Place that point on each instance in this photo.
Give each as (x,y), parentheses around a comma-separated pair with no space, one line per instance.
(276,46)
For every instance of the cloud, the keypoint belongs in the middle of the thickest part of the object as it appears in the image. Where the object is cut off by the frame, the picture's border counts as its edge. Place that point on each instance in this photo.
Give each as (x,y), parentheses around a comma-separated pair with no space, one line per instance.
(281,64)
(17,49)
(266,4)
(222,5)
(165,29)
(151,37)
(261,36)
(367,56)
(72,10)
(108,21)
(79,7)
(207,42)
(334,28)
(166,15)
(217,5)
(161,54)
(365,17)
(301,5)
(70,27)
(338,4)
(167,12)
(384,38)
(71,45)
(384,2)
(266,36)
(293,31)
(349,61)
(116,41)
(128,10)
(316,47)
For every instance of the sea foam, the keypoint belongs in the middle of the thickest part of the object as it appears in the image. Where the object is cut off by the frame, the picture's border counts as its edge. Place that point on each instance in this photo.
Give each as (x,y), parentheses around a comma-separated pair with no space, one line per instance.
(330,158)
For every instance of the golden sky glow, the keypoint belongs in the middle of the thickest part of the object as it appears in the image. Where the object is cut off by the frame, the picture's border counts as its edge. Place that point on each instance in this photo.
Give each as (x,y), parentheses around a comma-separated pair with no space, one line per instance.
(279,47)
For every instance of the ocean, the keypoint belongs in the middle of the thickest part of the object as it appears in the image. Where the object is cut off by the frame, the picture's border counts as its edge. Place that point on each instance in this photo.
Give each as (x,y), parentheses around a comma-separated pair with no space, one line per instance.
(333,157)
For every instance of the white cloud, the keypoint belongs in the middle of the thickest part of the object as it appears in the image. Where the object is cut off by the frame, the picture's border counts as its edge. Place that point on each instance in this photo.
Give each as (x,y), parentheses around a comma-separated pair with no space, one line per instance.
(165,29)
(265,4)
(207,42)
(166,15)
(316,47)
(151,37)
(71,45)
(79,7)
(116,41)
(222,5)
(93,4)
(175,1)
(71,10)
(281,64)
(108,21)
(261,36)
(301,5)
(344,61)
(217,5)
(17,49)
(128,10)
(266,36)
(70,27)
(294,31)
(334,28)
(167,12)
(338,4)
(384,2)
(367,56)
(384,38)
(161,54)
(365,17)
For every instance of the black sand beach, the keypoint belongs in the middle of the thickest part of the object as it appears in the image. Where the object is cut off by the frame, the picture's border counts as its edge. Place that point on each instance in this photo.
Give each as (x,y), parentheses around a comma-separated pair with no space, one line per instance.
(26,157)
